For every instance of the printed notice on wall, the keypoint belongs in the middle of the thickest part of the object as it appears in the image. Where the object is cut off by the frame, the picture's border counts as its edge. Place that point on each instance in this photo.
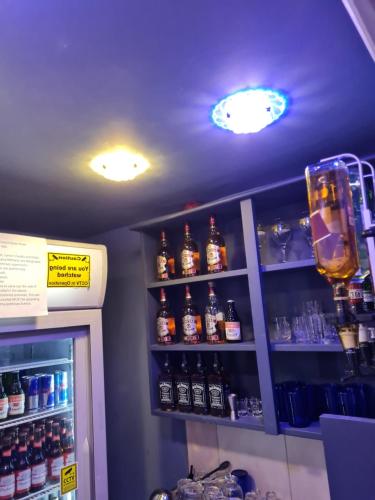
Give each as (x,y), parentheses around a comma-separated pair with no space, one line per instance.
(23,276)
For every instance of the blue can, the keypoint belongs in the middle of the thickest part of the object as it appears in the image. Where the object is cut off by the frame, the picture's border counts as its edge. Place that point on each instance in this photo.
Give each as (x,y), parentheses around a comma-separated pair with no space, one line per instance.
(58,378)
(47,390)
(63,389)
(30,385)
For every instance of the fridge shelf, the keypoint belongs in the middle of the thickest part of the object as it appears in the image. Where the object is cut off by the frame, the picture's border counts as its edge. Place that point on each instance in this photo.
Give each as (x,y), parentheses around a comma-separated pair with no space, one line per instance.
(35,364)
(49,488)
(35,416)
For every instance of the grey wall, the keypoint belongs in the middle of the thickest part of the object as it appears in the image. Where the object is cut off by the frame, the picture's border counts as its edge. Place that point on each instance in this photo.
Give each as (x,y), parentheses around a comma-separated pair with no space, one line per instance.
(144,452)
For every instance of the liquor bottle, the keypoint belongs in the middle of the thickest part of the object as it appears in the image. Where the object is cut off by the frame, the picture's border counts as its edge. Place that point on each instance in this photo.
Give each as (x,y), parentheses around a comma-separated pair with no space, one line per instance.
(218,389)
(7,476)
(368,295)
(165,322)
(199,387)
(191,321)
(371,331)
(48,438)
(233,333)
(165,262)
(355,290)
(183,386)
(364,345)
(190,258)
(22,468)
(214,318)
(216,251)
(4,404)
(166,386)
(68,444)
(38,463)
(55,459)
(16,396)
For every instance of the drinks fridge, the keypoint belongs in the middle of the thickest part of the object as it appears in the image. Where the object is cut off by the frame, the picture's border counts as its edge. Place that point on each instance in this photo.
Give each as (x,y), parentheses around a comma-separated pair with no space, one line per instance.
(52,410)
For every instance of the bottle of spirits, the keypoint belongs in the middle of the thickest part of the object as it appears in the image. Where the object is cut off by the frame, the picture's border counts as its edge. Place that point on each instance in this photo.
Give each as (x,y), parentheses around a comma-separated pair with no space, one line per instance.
(368,295)
(38,463)
(7,476)
(68,444)
(4,405)
(355,290)
(55,457)
(218,389)
(199,387)
(216,251)
(167,386)
(233,333)
(16,396)
(165,263)
(183,386)
(22,468)
(364,345)
(190,258)
(191,321)
(165,321)
(214,318)
(371,331)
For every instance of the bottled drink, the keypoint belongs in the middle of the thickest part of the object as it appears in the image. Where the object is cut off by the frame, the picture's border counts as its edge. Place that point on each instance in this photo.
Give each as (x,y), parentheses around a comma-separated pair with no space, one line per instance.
(22,468)
(183,386)
(7,476)
(190,258)
(355,289)
(55,456)
(166,386)
(68,444)
(214,318)
(364,345)
(215,250)
(165,263)
(38,463)
(368,295)
(166,324)
(372,343)
(16,396)
(191,321)
(48,437)
(233,332)
(199,387)
(4,404)
(218,389)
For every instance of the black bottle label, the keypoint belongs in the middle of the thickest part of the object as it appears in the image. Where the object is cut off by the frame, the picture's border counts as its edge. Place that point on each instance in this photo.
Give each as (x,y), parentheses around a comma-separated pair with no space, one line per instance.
(216,396)
(183,393)
(199,395)
(166,392)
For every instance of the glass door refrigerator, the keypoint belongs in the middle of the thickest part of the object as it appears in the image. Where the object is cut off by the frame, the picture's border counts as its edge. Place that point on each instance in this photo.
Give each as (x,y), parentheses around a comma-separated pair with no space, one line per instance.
(52,376)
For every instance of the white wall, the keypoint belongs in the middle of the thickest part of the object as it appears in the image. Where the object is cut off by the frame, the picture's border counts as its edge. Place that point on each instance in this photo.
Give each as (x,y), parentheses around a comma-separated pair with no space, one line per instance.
(293,467)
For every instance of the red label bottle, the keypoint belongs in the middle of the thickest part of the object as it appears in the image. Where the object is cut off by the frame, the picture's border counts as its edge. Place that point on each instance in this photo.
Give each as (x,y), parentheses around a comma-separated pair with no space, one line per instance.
(55,456)
(7,477)
(68,444)
(38,463)
(22,468)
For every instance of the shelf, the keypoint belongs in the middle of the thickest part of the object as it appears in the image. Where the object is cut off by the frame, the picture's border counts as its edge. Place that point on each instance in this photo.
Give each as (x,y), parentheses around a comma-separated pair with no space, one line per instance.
(48,489)
(35,364)
(255,423)
(23,419)
(313,431)
(196,279)
(284,266)
(243,346)
(306,347)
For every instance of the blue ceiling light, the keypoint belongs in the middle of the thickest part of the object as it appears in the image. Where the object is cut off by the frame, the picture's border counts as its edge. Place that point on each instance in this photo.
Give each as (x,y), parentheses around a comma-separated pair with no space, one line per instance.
(250,110)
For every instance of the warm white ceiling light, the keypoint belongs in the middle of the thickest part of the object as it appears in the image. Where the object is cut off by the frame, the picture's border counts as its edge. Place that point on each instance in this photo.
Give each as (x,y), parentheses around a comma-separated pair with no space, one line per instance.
(119,165)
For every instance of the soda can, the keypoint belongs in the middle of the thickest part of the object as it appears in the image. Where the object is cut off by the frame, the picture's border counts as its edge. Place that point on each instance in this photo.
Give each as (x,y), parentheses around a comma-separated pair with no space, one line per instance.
(47,390)
(58,377)
(63,390)
(30,385)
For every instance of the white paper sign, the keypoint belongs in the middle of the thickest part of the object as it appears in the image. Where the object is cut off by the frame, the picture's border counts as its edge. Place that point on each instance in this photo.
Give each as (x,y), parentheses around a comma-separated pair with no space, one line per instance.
(23,276)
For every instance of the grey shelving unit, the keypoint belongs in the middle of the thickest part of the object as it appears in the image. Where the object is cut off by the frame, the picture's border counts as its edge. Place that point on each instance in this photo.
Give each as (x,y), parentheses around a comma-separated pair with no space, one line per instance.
(261,286)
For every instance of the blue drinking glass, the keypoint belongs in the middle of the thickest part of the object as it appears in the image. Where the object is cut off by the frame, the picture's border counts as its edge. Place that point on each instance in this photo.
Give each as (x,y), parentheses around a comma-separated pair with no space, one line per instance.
(280,401)
(298,407)
(347,399)
(314,401)
(362,398)
(330,399)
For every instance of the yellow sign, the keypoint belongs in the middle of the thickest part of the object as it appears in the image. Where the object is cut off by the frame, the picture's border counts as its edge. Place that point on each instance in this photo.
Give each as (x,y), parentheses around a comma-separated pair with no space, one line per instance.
(68,270)
(68,478)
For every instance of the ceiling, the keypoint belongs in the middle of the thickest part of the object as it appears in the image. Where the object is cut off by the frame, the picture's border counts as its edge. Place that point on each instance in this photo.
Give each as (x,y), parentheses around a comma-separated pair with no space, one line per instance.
(80,76)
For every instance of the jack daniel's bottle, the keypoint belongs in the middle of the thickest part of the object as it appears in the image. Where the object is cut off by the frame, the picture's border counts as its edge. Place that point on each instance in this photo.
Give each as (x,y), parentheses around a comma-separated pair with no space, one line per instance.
(216,250)
(166,386)
(218,389)
(199,387)
(183,386)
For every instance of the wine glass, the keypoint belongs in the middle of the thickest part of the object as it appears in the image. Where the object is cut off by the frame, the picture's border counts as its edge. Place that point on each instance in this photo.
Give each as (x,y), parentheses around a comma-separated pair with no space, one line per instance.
(305,227)
(281,232)
(261,232)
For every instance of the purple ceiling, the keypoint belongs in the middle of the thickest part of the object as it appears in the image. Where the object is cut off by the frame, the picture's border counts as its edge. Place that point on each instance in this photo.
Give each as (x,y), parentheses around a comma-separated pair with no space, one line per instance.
(79,76)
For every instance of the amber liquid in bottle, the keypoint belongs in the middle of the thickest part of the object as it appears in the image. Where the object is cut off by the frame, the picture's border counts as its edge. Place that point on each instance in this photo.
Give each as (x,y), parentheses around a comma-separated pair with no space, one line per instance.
(216,251)
(214,318)
(190,258)
(165,321)
(191,321)
(165,263)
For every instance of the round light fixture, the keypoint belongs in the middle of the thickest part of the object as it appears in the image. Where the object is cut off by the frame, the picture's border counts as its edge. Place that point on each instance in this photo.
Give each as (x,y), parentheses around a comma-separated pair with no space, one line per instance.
(249,110)
(119,165)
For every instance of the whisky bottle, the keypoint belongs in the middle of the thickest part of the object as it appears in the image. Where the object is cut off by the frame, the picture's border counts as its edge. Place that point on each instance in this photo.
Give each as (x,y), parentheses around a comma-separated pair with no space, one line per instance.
(190,258)
(368,295)
(199,387)
(165,322)
(214,318)
(218,389)
(183,386)
(233,333)
(165,263)
(364,345)
(216,251)
(191,321)
(355,292)
(167,387)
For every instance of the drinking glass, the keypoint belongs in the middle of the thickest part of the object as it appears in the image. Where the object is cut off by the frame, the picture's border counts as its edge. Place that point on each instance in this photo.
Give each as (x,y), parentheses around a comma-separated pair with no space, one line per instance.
(305,227)
(299,330)
(242,407)
(232,489)
(255,407)
(192,491)
(180,485)
(282,330)
(281,232)
(254,495)
(271,495)
(212,492)
(298,406)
